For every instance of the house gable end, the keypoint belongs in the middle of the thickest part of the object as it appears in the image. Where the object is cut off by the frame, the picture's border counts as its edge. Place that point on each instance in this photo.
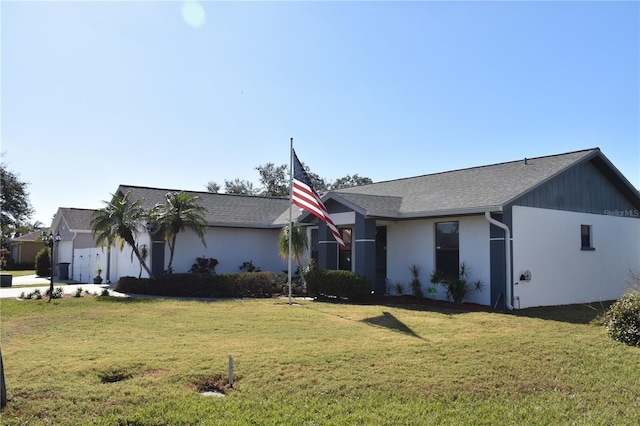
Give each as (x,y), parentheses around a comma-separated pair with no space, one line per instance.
(589,186)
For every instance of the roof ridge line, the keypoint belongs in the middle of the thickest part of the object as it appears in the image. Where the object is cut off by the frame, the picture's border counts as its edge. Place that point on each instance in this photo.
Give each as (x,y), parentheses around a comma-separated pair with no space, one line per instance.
(474,167)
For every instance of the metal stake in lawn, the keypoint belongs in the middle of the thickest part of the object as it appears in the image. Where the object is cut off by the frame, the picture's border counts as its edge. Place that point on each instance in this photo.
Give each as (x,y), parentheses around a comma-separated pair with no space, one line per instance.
(51,241)
(230,371)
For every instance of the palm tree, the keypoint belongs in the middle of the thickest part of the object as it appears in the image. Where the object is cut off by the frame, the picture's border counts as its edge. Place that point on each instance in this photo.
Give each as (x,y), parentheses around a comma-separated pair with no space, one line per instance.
(119,222)
(299,243)
(179,211)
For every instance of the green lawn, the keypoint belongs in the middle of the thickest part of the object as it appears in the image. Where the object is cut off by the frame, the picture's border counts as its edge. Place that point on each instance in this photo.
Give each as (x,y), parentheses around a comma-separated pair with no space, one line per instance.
(19,273)
(136,362)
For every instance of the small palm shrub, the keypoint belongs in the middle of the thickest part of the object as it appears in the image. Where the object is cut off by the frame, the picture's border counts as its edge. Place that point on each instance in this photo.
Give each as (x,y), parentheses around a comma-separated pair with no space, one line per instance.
(458,288)
(57,293)
(622,320)
(416,284)
(43,262)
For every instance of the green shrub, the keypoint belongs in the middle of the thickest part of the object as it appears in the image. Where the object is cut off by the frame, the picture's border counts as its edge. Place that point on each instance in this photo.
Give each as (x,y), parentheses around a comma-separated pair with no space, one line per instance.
(43,262)
(204,265)
(57,293)
(35,294)
(457,287)
(622,320)
(338,284)
(253,284)
(416,284)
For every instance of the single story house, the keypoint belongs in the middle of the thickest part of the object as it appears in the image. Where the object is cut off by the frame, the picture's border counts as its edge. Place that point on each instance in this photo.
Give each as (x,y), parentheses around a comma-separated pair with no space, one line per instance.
(23,249)
(550,230)
(76,255)
(241,228)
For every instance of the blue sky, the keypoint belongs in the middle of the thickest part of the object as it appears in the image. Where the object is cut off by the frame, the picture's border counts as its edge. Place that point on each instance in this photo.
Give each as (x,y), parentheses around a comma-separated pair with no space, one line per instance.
(175,94)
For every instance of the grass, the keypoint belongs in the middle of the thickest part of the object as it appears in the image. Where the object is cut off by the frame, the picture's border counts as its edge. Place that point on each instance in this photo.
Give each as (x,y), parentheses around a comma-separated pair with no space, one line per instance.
(55,284)
(111,361)
(19,273)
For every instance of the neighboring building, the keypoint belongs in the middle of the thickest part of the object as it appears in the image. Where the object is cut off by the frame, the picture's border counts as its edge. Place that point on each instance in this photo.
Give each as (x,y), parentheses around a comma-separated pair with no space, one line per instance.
(550,230)
(24,249)
(76,255)
(241,228)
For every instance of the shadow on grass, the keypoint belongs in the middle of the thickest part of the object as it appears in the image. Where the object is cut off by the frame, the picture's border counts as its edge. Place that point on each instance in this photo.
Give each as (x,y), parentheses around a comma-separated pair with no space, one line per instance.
(387,320)
(586,313)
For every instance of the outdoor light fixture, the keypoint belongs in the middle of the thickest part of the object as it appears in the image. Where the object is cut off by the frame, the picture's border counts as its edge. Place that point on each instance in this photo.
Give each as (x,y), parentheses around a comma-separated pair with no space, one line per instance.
(525,276)
(51,241)
(150,227)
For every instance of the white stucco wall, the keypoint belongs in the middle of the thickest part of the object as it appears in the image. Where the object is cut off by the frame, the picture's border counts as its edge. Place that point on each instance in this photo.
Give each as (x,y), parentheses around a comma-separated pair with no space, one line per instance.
(547,243)
(123,264)
(231,247)
(413,242)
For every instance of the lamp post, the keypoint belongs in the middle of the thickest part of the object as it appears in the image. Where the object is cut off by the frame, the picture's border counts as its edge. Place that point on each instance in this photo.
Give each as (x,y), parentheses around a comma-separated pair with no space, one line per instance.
(51,241)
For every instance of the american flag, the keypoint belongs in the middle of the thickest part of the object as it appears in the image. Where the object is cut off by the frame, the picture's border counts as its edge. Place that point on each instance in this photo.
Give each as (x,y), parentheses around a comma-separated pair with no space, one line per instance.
(306,197)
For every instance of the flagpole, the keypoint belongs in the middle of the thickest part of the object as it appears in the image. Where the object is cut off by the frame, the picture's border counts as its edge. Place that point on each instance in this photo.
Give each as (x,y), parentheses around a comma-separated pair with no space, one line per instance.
(290,214)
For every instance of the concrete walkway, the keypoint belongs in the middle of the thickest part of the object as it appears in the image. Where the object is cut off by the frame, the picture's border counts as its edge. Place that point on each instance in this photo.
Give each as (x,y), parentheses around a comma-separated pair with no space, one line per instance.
(68,287)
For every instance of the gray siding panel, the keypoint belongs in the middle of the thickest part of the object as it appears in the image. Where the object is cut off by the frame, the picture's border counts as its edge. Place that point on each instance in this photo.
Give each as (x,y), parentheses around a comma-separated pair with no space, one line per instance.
(582,188)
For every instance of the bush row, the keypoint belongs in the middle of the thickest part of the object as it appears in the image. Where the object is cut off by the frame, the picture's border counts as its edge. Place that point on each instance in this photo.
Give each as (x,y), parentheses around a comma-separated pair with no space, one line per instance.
(254,284)
(342,285)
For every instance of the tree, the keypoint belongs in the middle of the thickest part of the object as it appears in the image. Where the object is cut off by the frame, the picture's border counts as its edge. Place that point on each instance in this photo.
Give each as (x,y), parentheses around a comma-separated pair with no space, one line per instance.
(14,200)
(319,184)
(213,187)
(275,180)
(299,243)
(348,180)
(179,211)
(237,186)
(118,222)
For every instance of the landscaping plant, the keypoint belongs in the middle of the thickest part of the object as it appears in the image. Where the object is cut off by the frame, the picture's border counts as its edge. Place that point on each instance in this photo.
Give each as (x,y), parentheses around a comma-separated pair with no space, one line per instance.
(622,320)
(43,262)
(457,287)
(416,284)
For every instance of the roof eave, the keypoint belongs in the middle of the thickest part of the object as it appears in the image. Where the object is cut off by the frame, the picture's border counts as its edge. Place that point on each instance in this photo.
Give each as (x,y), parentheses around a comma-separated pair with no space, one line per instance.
(244,225)
(465,211)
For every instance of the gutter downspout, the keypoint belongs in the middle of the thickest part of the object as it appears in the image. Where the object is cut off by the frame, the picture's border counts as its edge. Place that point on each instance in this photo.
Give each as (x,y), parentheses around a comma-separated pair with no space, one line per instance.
(507,258)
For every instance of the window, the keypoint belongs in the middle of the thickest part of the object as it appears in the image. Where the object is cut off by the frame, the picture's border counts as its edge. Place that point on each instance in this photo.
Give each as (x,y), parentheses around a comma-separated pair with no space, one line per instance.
(314,244)
(344,260)
(447,248)
(586,241)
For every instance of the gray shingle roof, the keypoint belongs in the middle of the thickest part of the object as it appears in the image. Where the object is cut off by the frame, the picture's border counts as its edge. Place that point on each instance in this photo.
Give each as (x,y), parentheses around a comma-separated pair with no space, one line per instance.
(467,190)
(77,219)
(31,236)
(222,209)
